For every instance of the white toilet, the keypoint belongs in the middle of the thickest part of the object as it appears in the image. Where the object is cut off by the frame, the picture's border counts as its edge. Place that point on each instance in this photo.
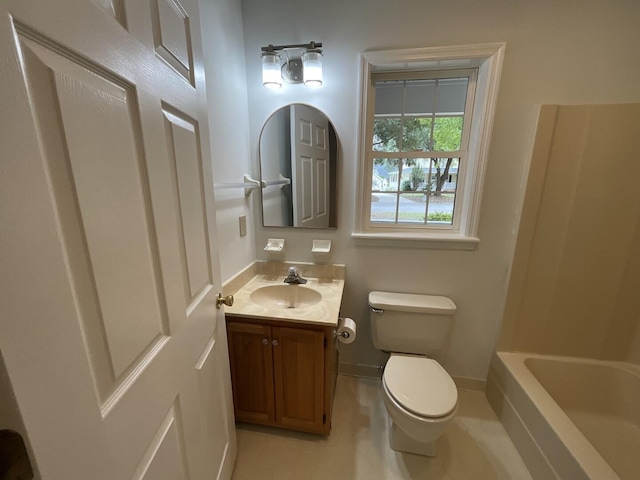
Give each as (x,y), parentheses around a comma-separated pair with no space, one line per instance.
(419,395)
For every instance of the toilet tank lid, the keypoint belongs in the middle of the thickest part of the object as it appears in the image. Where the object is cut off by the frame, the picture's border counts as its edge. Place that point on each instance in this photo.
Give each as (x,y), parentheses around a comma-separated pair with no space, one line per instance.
(408,302)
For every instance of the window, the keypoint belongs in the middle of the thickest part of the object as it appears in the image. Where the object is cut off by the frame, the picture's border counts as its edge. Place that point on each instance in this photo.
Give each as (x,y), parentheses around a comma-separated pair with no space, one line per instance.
(418,145)
(425,126)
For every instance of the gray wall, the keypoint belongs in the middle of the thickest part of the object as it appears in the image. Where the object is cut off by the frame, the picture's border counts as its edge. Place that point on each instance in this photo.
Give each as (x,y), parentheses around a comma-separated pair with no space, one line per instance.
(223,48)
(561,52)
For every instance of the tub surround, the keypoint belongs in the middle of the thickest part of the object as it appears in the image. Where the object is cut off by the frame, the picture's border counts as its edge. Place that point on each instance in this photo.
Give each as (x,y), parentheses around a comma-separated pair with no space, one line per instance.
(576,268)
(328,280)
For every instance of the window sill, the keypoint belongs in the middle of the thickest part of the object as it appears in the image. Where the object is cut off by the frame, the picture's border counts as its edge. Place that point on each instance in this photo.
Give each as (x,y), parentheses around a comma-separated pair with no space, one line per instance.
(408,240)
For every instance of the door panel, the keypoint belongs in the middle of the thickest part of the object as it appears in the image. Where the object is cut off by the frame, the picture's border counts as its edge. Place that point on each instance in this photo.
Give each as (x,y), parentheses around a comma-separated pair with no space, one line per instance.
(170,26)
(164,460)
(304,199)
(321,188)
(115,9)
(108,327)
(210,374)
(183,143)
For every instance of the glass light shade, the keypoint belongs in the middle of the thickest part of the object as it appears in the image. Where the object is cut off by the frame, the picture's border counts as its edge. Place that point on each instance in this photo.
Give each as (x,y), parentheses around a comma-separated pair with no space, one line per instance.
(312,68)
(271,77)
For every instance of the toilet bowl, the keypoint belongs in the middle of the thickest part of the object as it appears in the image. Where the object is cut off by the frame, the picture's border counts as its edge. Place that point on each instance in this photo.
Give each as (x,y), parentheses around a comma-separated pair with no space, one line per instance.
(421,400)
(420,397)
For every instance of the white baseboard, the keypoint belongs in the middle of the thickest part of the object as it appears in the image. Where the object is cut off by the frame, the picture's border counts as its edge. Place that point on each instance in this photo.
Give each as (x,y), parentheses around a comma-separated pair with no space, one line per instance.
(375,371)
(466,383)
(358,370)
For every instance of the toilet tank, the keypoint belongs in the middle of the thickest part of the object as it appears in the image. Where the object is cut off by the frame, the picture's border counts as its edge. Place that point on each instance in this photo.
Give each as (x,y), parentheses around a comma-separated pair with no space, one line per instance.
(408,323)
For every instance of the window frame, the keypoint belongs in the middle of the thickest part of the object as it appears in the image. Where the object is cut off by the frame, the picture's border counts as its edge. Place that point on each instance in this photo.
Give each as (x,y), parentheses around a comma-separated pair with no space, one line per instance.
(487,60)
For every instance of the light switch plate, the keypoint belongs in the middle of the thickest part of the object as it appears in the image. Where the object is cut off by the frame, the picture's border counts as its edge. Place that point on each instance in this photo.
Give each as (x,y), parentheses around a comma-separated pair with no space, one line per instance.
(243,225)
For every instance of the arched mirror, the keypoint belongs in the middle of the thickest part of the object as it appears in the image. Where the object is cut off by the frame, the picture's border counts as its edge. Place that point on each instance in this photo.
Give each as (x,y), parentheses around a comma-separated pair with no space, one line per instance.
(298,168)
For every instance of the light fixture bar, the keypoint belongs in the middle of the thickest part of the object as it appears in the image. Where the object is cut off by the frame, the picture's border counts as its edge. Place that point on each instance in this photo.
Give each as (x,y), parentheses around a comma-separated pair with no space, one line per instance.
(273,48)
(305,65)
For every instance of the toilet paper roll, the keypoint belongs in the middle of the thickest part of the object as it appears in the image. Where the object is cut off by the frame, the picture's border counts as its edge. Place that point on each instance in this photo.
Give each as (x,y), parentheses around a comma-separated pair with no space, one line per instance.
(346,330)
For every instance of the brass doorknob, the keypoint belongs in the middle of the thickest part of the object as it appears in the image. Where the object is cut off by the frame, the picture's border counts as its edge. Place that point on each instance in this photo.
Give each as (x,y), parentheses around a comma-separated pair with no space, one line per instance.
(228,300)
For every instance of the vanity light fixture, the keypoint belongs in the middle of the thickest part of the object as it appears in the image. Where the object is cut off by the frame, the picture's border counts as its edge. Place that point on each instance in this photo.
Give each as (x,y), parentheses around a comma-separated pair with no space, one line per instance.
(302,63)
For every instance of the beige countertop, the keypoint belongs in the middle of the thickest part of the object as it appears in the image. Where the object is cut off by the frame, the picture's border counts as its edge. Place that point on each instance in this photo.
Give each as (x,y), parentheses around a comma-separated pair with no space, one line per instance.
(325,312)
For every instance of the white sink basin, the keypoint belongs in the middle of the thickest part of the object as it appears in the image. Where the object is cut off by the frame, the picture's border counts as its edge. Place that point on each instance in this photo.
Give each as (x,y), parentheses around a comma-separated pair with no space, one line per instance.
(285,296)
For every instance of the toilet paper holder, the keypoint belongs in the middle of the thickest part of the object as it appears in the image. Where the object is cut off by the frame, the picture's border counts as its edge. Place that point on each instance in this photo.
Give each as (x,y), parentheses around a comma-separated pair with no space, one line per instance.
(345,331)
(336,333)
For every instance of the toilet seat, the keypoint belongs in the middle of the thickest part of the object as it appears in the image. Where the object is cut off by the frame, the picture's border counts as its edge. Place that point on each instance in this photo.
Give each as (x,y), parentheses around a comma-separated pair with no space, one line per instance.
(420,385)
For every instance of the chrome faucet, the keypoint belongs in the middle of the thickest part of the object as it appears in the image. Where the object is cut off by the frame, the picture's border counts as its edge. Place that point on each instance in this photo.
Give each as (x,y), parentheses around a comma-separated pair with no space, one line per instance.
(294,277)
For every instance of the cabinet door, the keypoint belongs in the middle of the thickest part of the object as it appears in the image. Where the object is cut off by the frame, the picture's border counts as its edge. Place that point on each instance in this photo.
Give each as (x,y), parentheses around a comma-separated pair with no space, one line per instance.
(298,359)
(251,372)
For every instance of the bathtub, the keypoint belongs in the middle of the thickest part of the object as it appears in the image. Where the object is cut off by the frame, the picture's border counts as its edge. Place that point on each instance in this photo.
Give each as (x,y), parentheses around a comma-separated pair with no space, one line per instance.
(570,418)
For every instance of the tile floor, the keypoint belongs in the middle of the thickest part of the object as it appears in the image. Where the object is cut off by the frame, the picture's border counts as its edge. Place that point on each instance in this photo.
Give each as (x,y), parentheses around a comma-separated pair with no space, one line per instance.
(476,447)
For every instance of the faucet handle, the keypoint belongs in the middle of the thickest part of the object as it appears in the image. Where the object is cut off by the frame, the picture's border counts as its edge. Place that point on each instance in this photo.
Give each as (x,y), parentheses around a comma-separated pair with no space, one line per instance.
(293,271)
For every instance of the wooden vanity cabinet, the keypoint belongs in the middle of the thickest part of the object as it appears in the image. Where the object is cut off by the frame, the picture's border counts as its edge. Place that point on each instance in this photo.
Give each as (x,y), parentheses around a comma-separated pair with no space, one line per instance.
(283,373)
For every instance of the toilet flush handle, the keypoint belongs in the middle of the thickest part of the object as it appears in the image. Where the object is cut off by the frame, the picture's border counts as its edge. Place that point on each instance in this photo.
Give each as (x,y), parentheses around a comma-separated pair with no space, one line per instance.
(377,310)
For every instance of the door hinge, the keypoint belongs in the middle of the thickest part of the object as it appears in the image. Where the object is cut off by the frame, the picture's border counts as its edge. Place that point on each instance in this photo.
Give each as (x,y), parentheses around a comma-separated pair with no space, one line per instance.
(324,418)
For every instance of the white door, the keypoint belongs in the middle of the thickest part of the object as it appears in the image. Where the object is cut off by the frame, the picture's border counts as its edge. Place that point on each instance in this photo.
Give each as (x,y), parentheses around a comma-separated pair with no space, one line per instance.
(108,323)
(310,167)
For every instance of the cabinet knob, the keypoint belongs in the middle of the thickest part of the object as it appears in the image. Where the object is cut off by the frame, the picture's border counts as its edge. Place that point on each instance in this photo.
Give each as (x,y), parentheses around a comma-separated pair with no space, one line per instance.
(265,341)
(274,343)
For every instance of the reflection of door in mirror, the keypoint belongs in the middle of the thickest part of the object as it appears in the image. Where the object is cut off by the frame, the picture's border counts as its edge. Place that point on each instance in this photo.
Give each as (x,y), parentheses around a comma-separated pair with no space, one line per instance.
(298,166)
(309,167)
